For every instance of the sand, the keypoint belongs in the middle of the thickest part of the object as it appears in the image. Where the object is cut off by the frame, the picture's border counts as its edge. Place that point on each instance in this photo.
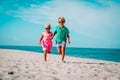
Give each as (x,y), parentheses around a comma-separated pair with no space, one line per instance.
(23,65)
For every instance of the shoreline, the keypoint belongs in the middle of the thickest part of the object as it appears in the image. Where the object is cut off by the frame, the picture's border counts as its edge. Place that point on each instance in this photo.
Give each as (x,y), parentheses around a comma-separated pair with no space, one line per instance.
(67,47)
(65,55)
(98,54)
(26,65)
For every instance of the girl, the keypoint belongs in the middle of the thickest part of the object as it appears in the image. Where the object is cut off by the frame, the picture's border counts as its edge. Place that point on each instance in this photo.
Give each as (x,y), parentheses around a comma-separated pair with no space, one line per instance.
(45,41)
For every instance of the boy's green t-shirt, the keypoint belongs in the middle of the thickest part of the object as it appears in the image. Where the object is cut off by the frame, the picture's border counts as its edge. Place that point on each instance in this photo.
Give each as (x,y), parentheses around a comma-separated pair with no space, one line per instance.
(61,33)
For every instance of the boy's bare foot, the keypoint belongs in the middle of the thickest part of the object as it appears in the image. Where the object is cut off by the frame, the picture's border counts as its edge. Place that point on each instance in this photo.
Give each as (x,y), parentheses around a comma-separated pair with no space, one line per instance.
(45,60)
(63,61)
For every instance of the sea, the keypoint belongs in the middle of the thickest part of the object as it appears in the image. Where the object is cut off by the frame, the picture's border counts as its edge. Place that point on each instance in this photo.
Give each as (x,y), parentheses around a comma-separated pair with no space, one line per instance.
(91,53)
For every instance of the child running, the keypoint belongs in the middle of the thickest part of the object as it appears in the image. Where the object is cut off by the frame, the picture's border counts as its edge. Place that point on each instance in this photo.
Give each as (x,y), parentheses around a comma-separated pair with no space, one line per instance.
(62,33)
(45,41)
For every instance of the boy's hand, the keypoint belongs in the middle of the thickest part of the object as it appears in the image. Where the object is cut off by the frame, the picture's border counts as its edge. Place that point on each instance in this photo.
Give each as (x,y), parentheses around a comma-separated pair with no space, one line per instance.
(68,41)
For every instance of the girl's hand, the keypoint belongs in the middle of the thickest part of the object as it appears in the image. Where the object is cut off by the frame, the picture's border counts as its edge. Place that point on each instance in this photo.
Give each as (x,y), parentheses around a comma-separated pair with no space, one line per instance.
(39,43)
(51,38)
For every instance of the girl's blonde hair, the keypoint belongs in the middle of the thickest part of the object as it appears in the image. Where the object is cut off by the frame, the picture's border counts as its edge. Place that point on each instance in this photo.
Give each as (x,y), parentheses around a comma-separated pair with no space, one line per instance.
(48,25)
(62,19)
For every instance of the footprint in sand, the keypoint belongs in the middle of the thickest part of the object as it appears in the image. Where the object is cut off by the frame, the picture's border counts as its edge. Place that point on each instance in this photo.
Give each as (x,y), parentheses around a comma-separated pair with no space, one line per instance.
(39,70)
(54,73)
(105,78)
(32,77)
(37,67)
(4,71)
(101,63)
(1,58)
(18,63)
(27,64)
(33,63)
(27,67)
(81,76)
(68,72)
(55,78)
(95,74)
(26,71)
(118,78)
(15,66)
(18,60)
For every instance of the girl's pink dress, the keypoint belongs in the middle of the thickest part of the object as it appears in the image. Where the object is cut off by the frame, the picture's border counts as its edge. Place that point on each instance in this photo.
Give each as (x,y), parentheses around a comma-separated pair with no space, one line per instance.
(46,41)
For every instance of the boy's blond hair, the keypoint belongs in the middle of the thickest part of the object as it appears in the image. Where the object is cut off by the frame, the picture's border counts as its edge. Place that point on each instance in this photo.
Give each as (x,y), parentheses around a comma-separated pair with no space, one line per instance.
(62,19)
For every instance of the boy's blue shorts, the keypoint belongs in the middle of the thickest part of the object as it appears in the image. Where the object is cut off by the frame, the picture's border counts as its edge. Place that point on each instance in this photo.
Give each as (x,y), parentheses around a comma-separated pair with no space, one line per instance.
(60,44)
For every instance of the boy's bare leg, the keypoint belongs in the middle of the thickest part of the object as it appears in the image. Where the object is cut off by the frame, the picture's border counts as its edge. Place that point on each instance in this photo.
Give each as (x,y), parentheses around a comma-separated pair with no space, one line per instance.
(63,52)
(59,50)
(45,55)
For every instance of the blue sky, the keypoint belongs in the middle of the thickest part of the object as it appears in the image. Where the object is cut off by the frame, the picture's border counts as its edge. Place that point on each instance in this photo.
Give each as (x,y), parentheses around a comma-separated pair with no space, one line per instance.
(92,23)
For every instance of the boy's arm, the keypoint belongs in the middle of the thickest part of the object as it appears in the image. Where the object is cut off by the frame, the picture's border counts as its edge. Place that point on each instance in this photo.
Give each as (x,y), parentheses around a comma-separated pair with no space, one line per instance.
(68,38)
(53,34)
(40,39)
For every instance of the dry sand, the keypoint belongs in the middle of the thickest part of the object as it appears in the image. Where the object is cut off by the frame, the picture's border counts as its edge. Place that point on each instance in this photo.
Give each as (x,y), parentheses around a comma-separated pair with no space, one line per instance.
(23,65)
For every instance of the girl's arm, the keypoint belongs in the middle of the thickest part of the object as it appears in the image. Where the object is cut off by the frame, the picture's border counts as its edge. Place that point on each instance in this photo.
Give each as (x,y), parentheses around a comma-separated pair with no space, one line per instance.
(40,39)
(68,38)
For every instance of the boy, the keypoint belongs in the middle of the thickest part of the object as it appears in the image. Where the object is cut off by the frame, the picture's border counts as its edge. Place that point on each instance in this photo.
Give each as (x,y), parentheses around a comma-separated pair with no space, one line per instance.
(62,33)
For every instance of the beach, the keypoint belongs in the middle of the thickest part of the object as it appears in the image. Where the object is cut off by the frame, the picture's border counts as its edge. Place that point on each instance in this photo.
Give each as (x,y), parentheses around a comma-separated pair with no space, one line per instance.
(25,65)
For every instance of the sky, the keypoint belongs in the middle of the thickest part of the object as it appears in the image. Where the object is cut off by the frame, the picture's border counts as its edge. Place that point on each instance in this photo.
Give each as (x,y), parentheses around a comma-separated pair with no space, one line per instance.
(92,23)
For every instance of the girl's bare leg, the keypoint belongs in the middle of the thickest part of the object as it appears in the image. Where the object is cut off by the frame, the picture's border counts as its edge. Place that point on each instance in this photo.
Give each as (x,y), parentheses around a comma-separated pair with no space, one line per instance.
(45,55)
